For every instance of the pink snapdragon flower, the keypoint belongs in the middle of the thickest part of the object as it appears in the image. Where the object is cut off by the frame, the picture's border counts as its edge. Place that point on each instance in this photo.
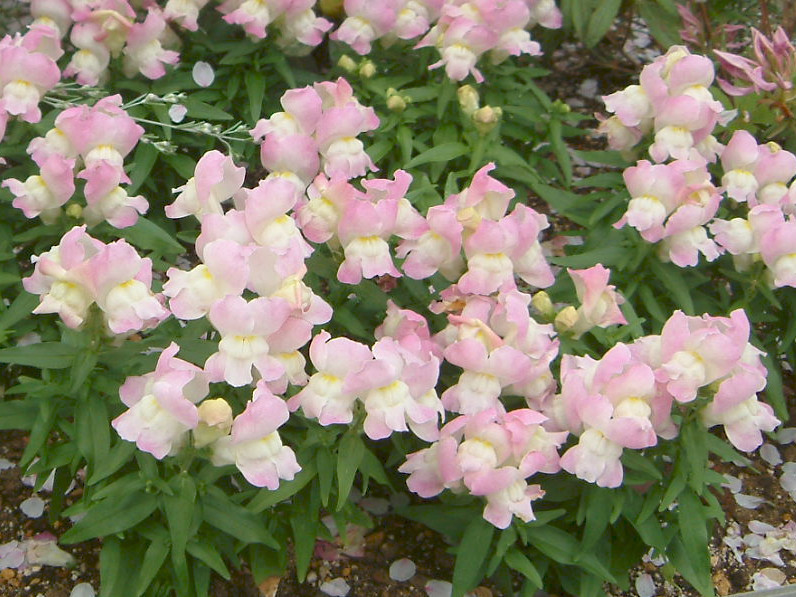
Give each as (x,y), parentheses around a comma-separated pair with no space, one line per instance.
(144,51)
(121,280)
(365,22)
(254,445)
(397,388)
(363,231)
(244,328)
(25,76)
(599,300)
(773,66)
(61,277)
(696,351)
(162,404)
(328,396)
(43,194)
(184,12)
(107,200)
(224,272)
(216,180)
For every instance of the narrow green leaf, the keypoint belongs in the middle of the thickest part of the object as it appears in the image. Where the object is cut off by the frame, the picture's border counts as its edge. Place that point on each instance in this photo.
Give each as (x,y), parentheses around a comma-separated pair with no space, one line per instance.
(146,234)
(439,153)
(17,414)
(144,159)
(516,560)
(266,498)
(672,279)
(203,111)
(219,511)
(325,473)
(471,555)
(112,516)
(774,392)
(600,21)
(694,537)
(153,560)
(255,86)
(207,553)
(305,528)
(110,566)
(45,355)
(598,511)
(695,451)
(349,455)
(19,309)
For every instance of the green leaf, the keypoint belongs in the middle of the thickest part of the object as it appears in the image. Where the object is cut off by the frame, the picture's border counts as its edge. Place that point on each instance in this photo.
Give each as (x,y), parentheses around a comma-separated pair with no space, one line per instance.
(45,355)
(207,553)
(325,473)
(560,150)
(444,152)
(145,157)
(145,234)
(672,278)
(632,459)
(255,86)
(18,414)
(200,110)
(219,511)
(19,309)
(695,451)
(305,528)
(471,555)
(151,564)
(774,392)
(598,512)
(180,510)
(112,516)
(110,566)
(694,537)
(349,455)
(267,498)
(663,26)
(516,560)
(121,453)
(600,21)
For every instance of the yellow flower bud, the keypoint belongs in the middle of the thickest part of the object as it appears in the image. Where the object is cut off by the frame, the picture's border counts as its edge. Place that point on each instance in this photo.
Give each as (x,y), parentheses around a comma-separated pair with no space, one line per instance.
(367,69)
(566,319)
(347,63)
(215,421)
(468,99)
(74,210)
(486,118)
(542,303)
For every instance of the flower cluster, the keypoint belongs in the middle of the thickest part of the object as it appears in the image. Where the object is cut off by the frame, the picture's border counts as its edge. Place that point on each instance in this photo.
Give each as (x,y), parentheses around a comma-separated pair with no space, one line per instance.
(99,137)
(677,202)
(625,399)
(81,271)
(316,132)
(299,27)
(27,71)
(101,29)
(673,102)
(773,66)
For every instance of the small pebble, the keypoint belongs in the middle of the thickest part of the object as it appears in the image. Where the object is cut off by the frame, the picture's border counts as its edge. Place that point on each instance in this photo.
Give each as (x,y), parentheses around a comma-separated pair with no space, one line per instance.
(84,589)
(335,588)
(402,570)
(438,588)
(33,507)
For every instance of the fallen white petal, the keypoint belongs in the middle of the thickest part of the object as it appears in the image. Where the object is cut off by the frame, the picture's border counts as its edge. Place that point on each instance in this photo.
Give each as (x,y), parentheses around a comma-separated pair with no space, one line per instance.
(750,502)
(645,586)
(786,435)
(6,464)
(336,587)
(203,74)
(759,527)
(47,553)
(33,507)
(329,522)
(734,484)
(84,589)
(402,570)
(770,454)
(762,581)
(11,555)
(177,113)
(438,588)
(376,506)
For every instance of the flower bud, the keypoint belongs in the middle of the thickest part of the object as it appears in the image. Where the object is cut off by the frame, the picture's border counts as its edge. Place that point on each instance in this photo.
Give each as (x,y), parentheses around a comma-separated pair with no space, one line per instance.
(542,303)
(215,421)
(347,63)
(74,210)
(566,319)
(395,102)
(468,99)
(486,118)
(367,69)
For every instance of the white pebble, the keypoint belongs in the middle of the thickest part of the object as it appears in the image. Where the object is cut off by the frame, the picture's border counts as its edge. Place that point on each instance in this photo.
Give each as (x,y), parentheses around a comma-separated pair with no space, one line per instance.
(337,587)
(32,507)
(770,454)
(438,588)
(645,586)
(84,589)
(402,570)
